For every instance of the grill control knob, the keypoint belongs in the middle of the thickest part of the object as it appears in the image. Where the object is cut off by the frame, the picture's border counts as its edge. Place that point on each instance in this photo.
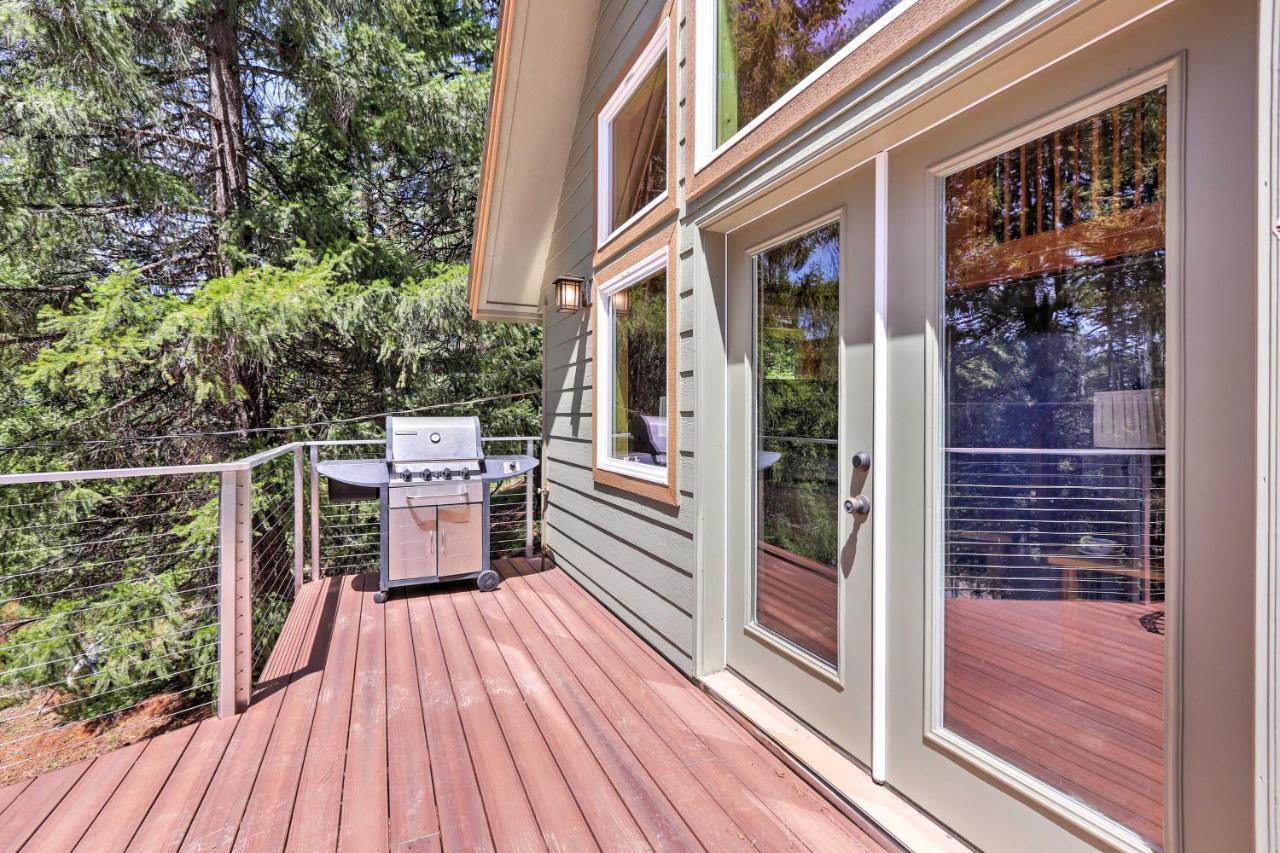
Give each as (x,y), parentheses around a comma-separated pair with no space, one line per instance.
(426,475)
(406,475)
(466,473)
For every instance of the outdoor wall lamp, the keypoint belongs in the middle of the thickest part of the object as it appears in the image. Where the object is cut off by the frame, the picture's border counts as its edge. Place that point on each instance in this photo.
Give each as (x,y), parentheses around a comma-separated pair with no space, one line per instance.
(572,293)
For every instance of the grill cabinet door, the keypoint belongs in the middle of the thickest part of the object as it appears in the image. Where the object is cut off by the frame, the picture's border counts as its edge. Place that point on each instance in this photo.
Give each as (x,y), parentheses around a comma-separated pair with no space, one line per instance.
(461,533)
(412,543)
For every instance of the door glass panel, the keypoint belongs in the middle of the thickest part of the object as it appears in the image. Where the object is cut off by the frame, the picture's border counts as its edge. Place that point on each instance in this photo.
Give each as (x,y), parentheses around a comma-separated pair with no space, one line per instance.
(1055,459)
(797,417)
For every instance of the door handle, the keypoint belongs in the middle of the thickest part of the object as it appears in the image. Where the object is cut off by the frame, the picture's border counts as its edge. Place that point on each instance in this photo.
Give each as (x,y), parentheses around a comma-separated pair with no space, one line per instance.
(859,506)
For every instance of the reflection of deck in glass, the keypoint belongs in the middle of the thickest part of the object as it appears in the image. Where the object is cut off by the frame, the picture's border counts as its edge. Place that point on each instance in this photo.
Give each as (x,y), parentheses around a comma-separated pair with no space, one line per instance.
(1072,692)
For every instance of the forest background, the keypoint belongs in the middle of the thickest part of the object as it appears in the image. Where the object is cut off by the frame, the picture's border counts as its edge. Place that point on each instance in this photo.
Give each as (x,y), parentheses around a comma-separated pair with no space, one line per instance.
(217,218)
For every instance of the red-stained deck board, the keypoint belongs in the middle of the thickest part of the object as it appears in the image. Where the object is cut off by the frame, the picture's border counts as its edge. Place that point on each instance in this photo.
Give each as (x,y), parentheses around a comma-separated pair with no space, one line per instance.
(64,826)
(795,803)
(611,823)
(510,815)
(318,805)
(166,822)
(119,819)
(662,824)
(266,820)
(364,790)
(693,802)
(217,820)
(564,827)
(412,821)
(29,809)
(448,719)
(459,802)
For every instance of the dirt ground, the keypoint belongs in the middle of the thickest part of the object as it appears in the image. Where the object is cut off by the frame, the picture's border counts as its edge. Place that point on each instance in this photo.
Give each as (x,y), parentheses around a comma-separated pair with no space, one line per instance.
(35,739)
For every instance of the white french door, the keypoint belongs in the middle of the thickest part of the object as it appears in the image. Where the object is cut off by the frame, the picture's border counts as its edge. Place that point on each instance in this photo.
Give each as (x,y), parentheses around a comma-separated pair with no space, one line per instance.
(1062,603)
(800,404)
(1070,406)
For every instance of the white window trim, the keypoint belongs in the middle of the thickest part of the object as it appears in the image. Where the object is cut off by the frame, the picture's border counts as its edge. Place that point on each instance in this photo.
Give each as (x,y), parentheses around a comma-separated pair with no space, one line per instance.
(653,52)
(705,149)
(638,272)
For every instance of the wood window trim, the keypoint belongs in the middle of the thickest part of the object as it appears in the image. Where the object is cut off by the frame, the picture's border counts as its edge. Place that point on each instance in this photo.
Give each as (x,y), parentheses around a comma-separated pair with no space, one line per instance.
(664,493)
(914,22)
(608,246)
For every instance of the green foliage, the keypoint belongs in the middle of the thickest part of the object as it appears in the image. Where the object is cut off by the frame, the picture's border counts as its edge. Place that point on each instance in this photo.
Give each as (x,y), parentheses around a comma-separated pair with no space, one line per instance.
(108,597)
(151,288)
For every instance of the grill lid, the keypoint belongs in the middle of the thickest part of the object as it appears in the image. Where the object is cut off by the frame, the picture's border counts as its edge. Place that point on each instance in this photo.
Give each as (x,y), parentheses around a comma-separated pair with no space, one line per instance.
(438,445)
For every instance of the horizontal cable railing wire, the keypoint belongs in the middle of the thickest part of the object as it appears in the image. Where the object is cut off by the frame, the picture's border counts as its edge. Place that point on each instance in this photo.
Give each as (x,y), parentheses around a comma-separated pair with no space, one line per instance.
(272,563)
(349,530)
(108,614)
(515,517)
(135,600)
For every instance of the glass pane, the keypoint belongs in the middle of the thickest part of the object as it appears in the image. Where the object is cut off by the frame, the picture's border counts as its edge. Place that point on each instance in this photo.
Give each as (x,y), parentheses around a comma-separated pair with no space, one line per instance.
(640,146)
(640,372)
(797,422)
(765,47)
(1055,459)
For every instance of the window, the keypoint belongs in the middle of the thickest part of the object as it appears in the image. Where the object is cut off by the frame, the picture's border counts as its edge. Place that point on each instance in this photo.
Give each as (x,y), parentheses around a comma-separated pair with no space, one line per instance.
(634,141)
(754,56)
(1054,520)
(634,378)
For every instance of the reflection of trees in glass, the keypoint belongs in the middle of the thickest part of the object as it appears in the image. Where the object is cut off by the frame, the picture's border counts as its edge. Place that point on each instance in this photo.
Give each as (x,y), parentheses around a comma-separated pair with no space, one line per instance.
(768,46)
(640,146)
(798,292)
(639,361)
(1025,358)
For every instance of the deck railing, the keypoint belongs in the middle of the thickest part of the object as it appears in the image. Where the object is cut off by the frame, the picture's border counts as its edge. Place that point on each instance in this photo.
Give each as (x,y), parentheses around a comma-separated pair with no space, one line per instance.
(135,598)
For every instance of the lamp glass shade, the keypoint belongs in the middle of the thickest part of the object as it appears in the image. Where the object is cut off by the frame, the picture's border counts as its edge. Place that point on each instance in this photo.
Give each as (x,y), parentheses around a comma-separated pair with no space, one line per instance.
(568,294)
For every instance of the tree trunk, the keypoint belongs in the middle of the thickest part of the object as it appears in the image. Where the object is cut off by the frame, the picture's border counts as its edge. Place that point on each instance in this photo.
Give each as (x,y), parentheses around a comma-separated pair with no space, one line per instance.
(226,111)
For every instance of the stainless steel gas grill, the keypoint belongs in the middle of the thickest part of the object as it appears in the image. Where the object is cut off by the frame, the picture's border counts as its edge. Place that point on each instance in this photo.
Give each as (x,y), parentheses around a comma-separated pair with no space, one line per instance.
(434,493)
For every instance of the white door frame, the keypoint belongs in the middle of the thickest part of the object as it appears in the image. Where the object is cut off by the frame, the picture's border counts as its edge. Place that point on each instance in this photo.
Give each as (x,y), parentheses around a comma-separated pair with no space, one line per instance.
(1267,621)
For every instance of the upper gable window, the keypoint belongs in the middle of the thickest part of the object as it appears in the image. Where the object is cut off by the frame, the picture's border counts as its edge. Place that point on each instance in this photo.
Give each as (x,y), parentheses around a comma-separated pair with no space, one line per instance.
(633,141)
(765,49)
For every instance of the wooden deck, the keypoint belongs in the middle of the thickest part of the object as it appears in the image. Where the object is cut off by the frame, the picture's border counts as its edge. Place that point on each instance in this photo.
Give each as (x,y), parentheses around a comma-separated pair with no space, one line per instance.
(1070,691)
(524,719)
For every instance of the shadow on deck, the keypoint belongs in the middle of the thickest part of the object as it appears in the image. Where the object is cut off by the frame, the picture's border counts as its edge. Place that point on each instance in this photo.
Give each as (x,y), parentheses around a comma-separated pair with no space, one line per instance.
(525,718)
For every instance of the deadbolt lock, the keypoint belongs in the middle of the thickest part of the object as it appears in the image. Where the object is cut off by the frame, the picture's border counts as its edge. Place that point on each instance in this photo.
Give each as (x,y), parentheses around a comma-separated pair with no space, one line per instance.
(862,461)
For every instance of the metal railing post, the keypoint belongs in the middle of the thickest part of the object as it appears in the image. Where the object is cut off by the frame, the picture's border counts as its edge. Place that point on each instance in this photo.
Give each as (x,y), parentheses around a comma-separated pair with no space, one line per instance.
(315,513)
(235,596)
(528,503)
(299,543)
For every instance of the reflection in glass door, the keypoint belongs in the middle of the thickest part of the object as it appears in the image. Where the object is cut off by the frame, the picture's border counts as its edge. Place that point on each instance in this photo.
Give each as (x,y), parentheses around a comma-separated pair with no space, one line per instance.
(1054,466)
(797,357)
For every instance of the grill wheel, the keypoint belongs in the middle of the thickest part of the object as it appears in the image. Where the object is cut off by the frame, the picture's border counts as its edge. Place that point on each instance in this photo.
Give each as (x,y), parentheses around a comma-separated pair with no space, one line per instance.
(488,580)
